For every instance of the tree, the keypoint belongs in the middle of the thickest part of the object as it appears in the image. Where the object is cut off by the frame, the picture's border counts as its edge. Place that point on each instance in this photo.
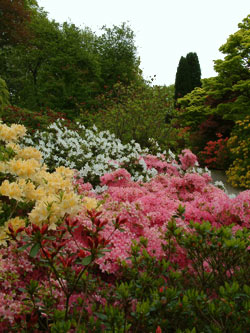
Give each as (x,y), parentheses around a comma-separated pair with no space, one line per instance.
(182,79)
(59,69)
(14,21)
(194,70)
(135,112)
(4,95)
(223,101)
(188,75)
(117,51)
(230,92)
(64,67)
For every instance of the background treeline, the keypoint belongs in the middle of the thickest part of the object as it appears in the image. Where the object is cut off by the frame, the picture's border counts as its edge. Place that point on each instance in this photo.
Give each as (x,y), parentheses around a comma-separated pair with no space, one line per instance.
(61,66)
(52,70)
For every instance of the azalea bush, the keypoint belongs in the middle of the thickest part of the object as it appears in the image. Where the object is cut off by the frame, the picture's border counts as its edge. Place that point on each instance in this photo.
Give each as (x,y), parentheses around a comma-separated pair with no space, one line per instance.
(216,154)
(169,254)
(92,153)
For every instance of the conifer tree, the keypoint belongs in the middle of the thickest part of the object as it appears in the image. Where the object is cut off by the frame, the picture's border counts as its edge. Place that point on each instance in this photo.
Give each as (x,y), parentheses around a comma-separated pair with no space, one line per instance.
(194,69)
(188,75)
(182,79)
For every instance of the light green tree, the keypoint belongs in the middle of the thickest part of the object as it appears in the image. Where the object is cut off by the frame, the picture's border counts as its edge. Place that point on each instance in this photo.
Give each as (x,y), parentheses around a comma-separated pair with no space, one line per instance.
(4,95)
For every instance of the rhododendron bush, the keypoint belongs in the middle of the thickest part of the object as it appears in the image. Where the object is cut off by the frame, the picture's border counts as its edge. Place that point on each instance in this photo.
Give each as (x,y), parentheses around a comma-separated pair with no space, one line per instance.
(165,255)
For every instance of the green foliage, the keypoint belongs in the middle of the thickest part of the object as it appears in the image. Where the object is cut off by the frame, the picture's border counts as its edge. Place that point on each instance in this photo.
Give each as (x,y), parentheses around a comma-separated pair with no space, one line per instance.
(135,112)
(239,145)
(230,89)
(58,70)
(64,67)
(212,296)
(4,95)
(118,60)
(222,100)
(193,110)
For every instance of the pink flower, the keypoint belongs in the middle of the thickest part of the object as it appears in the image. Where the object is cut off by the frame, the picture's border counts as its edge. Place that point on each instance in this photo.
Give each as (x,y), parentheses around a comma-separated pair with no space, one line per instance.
(188,159)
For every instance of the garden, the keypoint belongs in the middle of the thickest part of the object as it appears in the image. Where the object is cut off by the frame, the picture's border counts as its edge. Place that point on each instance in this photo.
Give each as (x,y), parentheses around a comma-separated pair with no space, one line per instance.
(152,246)
(109,219)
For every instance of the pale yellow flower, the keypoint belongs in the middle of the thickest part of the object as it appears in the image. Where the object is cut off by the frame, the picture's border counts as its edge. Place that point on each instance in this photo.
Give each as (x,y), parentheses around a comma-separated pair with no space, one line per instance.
(11,190)
(20,130)
(70,203)
(29,191)
(53,193)
(25,169)
(13,146)
(39,213)
(29,152)
(3,237)
(90,203)
(3,167)
(55,182)
(16,223)
(12,133)
(66,172)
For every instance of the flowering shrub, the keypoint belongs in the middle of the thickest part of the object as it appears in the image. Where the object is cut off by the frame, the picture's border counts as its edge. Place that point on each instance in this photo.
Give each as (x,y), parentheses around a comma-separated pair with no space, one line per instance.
(91,152)
(239,145)
(152,256)
(28,189)
(215,154)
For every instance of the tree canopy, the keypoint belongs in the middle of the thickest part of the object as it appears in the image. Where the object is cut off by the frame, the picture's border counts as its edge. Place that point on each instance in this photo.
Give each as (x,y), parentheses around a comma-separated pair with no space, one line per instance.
(228,94)
(14,21)
(64,67)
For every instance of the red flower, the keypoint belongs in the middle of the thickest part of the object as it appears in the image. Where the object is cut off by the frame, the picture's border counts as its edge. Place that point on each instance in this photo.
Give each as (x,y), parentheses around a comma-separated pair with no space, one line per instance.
(158,330)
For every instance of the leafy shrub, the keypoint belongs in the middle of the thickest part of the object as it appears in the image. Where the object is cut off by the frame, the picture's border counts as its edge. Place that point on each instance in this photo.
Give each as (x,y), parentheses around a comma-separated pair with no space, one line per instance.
(27,188)
(135,112)
(239,145)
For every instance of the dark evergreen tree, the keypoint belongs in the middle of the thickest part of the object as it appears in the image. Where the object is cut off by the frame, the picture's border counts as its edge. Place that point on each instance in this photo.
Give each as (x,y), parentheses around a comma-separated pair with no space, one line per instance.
(194,69)
(188,75)
(182,79)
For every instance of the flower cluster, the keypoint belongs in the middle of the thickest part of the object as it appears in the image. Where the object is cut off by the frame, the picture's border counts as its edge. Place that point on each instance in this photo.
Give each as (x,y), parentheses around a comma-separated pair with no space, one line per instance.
(12,133)
(215,154)
(90,152)
(27,187)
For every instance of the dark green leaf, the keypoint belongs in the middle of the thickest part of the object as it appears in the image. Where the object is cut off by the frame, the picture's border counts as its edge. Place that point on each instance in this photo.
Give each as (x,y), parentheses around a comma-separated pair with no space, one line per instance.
(86,261)
(34,250)
(24,247)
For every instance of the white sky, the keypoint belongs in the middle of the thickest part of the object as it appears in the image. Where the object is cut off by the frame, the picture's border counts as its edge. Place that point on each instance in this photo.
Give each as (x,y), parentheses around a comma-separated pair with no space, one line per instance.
(164,30)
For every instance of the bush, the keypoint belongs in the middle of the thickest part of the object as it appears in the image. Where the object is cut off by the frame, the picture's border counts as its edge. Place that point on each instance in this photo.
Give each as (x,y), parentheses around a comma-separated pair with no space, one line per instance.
(135,112)
(216,154)
(239,146)
(91,152)
(32,120)
(4,95)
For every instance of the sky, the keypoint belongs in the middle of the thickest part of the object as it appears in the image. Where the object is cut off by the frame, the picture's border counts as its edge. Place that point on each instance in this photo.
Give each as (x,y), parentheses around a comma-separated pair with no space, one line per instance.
(164,30)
